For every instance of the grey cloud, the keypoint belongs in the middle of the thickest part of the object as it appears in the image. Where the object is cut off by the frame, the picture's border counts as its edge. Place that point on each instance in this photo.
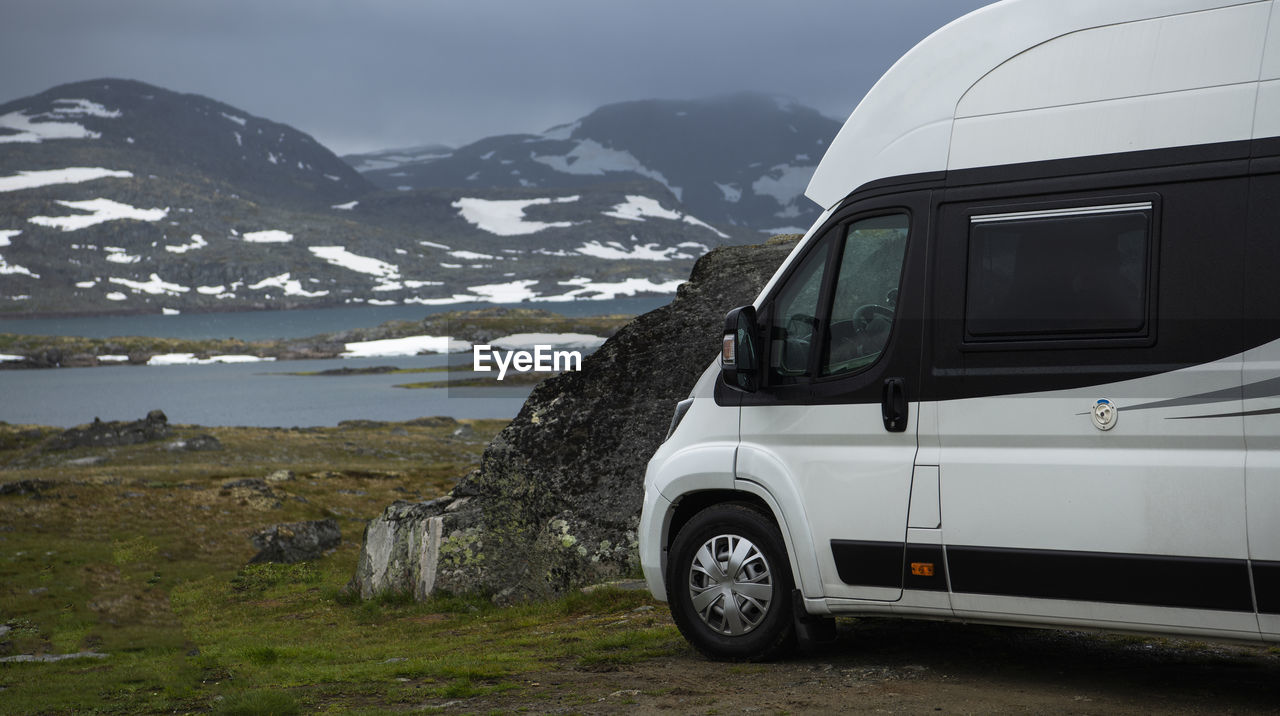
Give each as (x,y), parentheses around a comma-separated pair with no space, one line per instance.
(368,75)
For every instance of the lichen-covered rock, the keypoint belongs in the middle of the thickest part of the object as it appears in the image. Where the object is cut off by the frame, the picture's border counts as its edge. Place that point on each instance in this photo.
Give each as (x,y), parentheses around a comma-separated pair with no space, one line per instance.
(555,502)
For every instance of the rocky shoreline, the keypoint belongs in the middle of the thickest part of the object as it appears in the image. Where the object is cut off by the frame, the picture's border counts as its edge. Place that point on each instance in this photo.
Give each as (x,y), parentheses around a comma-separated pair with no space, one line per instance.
(19,351)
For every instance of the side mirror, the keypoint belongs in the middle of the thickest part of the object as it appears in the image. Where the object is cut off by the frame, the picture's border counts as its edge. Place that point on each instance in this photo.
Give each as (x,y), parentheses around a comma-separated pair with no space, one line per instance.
(739,357)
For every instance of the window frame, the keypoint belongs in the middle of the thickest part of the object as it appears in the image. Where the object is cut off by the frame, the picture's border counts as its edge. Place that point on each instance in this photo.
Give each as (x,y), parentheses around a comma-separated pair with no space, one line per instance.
(1093,206)
(832,238)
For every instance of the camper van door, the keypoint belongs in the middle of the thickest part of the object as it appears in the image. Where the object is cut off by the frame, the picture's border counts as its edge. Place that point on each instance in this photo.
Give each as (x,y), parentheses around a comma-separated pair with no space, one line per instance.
(832,432)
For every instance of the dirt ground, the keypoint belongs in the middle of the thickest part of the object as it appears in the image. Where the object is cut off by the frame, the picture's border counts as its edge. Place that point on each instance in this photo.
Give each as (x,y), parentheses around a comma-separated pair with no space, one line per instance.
(892,666)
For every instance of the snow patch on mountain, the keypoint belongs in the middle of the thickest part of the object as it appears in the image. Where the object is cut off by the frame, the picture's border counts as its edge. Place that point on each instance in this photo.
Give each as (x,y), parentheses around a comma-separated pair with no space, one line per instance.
(471,256)
(407,346)
(155,286)
(117,255)
(646,252)
(732,192)
(285,282)
(590,157)
(25,131)
(637,208)
(197,242)
(339,256)
(6,234)
(784,182)
(270,236)
(238,120)
(344,207)
(606,290)
(506,217)
(50,177)
(100,211)
(7,268)
(81,108)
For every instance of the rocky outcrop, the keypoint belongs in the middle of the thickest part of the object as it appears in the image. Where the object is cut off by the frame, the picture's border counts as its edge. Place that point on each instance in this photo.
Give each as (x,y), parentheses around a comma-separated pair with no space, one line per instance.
(112,434)
(555,503)
(295,541)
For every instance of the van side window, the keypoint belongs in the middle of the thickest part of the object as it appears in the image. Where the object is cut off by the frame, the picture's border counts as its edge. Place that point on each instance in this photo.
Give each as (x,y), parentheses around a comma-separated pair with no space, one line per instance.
(1066,273)
(866,293)
(795,318)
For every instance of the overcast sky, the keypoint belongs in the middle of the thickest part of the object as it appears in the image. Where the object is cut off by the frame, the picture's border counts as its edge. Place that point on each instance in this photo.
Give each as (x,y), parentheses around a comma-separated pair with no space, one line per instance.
(375,74)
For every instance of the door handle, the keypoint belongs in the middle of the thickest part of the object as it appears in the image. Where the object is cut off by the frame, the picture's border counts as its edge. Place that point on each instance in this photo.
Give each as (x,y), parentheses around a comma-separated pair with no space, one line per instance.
(893,405)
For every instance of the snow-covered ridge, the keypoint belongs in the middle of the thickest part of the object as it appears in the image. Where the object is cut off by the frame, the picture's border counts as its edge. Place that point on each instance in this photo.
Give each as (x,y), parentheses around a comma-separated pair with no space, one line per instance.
(100,211)
(506,217)
(50,177)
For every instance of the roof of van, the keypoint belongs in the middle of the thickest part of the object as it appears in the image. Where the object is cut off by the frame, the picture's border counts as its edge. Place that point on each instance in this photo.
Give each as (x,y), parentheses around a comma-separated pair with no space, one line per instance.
(1027,80)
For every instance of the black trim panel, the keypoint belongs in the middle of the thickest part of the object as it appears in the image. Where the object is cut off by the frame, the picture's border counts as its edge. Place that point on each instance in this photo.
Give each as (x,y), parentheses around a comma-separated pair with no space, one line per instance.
(1155,580)
(864,563)
(1266,584)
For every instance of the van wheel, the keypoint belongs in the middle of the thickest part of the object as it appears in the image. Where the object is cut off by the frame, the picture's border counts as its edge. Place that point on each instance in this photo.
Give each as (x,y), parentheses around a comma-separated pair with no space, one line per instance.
(730,585)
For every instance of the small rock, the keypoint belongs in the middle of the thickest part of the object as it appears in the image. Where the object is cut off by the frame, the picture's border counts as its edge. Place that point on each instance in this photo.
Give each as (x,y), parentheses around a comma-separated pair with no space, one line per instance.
(194,444)
(281,476)
(49,658)
(399,432)
(295,541)
(26,487)
(86,461)
(464,431)
(38,591)
(253,483)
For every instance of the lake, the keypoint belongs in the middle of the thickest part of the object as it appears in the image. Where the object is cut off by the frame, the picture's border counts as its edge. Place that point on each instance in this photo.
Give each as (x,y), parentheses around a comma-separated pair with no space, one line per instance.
(253,394)
(265,325)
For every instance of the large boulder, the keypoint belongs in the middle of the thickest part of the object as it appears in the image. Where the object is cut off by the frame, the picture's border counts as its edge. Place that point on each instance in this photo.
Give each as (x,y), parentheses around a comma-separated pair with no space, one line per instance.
(555,503)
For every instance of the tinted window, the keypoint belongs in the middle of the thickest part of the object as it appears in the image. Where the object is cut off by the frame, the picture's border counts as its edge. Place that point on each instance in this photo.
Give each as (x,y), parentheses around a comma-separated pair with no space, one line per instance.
(1058,275)
(795,318)
(866,293)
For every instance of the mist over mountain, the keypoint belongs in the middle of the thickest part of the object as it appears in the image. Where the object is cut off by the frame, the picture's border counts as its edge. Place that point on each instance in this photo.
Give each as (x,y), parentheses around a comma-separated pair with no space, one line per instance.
(742,161)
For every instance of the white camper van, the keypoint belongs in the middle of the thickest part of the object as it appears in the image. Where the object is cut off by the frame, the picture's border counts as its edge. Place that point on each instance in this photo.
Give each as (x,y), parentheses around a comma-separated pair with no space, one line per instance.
(1026,366)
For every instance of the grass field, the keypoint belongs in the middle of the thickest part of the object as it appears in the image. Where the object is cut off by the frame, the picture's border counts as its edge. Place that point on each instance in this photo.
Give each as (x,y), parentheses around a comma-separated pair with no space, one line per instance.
(135,559)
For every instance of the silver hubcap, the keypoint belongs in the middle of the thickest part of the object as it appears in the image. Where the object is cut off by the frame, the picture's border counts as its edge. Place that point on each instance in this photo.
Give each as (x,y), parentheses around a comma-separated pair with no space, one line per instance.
(730,585)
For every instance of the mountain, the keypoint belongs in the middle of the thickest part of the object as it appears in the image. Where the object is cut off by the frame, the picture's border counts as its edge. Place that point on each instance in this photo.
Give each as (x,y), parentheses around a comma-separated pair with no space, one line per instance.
(741,160)
(117,196)
(144,129)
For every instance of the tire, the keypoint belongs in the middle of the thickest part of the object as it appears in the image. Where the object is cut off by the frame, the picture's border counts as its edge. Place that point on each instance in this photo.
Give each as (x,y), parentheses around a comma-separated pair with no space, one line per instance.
(757,623)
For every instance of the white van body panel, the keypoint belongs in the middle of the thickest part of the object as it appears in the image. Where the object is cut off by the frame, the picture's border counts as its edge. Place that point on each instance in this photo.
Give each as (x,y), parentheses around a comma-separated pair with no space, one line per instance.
(698,456)
(904,125)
